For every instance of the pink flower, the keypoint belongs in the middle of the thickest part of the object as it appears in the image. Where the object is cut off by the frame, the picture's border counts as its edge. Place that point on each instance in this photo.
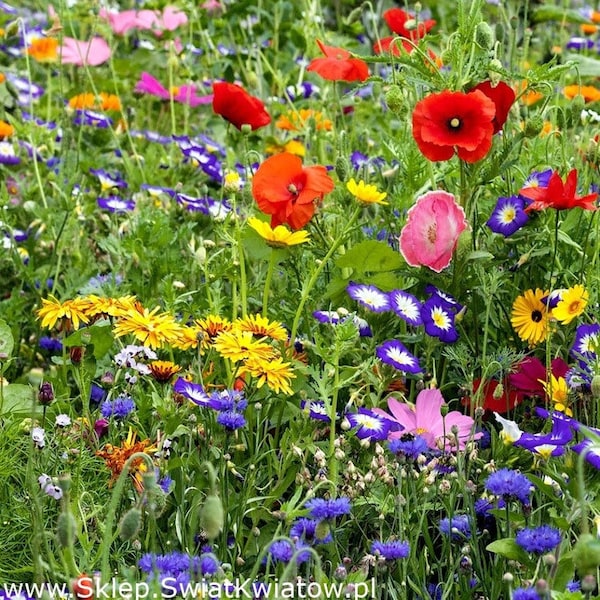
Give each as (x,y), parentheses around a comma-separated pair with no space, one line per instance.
(120,22)
(431,232)
(75,52)
(172,18)
(185,94)
(127,20)
(426,420)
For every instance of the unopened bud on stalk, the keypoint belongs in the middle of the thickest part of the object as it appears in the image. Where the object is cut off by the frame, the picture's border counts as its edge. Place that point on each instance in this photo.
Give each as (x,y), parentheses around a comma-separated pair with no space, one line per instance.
(595,386)
(534,126)
(394,99)
(130,524)
(66,529)
(46,393)
(342,167)
(484,36)
(212,516)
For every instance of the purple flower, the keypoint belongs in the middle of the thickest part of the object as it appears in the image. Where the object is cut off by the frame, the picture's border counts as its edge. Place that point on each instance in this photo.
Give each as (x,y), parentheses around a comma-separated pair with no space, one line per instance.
(587,339)
(305,530)
(580,43)
(92,118)
(438,319)
(108,181)
(547,444)
(406,306)
(119,408)
(508,215)
(409,446)
(50,344)
(283,551)
(538,540)
(525,594)
(322,509)
(231,419)
(457,527)
(8,155)
(509,485)
(538,179)
(369,296)
(116,204)
(369,425)
(394,353)
(335,317)
(192,391)
(209,565)
(391,550)
(224,400)
(316,410)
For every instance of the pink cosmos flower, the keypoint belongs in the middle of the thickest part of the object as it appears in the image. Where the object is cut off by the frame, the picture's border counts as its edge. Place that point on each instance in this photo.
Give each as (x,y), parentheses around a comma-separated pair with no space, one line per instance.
(431,232)
(185,94)
(425,419)
(127,20)
(75,52)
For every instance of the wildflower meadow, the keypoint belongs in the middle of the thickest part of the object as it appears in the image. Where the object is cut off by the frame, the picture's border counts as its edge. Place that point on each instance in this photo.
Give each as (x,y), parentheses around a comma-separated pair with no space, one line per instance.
(299,299)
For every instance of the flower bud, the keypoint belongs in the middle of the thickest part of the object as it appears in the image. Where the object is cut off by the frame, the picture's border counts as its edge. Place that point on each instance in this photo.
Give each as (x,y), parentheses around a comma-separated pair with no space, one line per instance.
(66,529)
(595,386)
(212,516)
(46,393)
(394,99)
(534,126)
(484,36)
(342,167)
(586,554)
(130,524)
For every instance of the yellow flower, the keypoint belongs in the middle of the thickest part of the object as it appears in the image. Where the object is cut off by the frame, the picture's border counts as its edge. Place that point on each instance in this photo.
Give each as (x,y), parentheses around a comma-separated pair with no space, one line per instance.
(367,194)
(163,370)
(210,328)
(530,317)
(241,345)
(557,390)
(152,329)
(293,147)
(112,307)
(274,372)
(280,237)
(261,327)
(71,311)
(572,303)
(296,120)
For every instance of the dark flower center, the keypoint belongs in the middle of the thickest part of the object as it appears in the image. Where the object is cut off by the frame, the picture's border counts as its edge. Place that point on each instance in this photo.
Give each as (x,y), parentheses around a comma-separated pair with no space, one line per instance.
(455,124)
(536,316)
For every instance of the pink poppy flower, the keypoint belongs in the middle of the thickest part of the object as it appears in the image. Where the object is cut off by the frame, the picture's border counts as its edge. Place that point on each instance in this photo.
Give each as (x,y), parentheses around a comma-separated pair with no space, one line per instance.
(75,52)
(425,419)
(431,232)
(185,94)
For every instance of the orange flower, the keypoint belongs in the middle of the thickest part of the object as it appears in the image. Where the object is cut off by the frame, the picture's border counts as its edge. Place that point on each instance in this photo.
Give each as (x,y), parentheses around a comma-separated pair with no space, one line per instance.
(44,50)
(588,29)
(528,97)
(338,65)
(6,130)
(163,370)
(2,77)
(297,120)
(88,101)
(288,191)
(589,92)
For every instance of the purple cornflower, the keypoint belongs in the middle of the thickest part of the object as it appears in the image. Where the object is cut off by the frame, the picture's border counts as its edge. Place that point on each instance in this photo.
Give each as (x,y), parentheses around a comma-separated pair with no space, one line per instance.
(118,408)
(394,353)
(406,306)
(224,400)
(97,393)
(305,530)
(409,446)
(508,215)
(369,296)
(322,509)
(209,565)
(391,550)
(282,551)
(369,425)
(509,485)
(50,344)
(538,540)
(525,594)
(457,527)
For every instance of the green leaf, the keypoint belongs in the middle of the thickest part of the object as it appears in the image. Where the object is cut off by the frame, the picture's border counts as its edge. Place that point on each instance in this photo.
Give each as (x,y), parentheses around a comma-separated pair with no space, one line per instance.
(565,572)
(7,342)
(18,400)
(586,65)
(556,13)
(99,335)
(479,255)
(370,256)
(508,548)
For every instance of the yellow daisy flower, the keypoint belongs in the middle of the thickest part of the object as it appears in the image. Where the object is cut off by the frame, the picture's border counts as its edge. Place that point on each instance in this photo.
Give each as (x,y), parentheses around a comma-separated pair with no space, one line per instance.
(557,390)
(151,328)
(210,328)
(274,372)
(365,193)
(572,304)
(241,345)
(530,317)
(70,312)
(260,326)
(280,237)
(163,370)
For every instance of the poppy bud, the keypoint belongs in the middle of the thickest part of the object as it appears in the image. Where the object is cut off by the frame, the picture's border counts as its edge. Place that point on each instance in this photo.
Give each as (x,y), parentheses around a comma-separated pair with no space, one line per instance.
(484,36)
(394,99)
(497,393)
(46,393)
(586,554)
(212,516)
(130,524)
(76,354)
(342,168)
(534,126)
(66,529)
(595,386)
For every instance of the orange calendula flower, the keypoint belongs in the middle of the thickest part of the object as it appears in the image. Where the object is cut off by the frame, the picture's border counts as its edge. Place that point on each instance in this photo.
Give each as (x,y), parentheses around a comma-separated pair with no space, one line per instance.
(298,120)
(6,130)
(589,92)
(103,101)
(152,328)
(44,50)
(210,328)
(163,370)
(70,312)
(115,457)
(260,326)
(274,372)
(241,345)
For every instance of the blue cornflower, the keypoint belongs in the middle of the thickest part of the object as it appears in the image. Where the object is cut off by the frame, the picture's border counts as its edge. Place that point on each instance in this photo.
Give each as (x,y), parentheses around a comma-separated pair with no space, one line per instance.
(118,408)
(208,564)
(457,527)
(538,540)
(509,485)
(508,215)
(322,509)
(573,586)
(305,530)
(525,594)
(231,419)
(50,344)
(391,550)
(409,446)
(165,484)
(283,551)
(225,400)
(482,507)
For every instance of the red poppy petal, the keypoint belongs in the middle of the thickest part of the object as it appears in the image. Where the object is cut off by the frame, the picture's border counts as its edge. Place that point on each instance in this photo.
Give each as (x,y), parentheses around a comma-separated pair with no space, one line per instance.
(237,106)
(503,97)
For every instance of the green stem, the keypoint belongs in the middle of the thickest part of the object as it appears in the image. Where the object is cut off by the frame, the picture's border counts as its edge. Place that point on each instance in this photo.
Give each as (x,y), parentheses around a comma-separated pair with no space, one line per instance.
(268,279)
(313,279)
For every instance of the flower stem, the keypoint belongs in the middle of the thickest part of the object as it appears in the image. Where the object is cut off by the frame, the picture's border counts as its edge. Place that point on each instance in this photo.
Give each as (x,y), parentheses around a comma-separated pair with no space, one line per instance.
(267,288)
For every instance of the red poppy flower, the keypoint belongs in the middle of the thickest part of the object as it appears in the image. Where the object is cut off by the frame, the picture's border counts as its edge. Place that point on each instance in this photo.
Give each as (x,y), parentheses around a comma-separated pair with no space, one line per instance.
(454,122)
(558,195)
(405,24)
(237,106)
(502,95)
(288,191)
(338,65)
